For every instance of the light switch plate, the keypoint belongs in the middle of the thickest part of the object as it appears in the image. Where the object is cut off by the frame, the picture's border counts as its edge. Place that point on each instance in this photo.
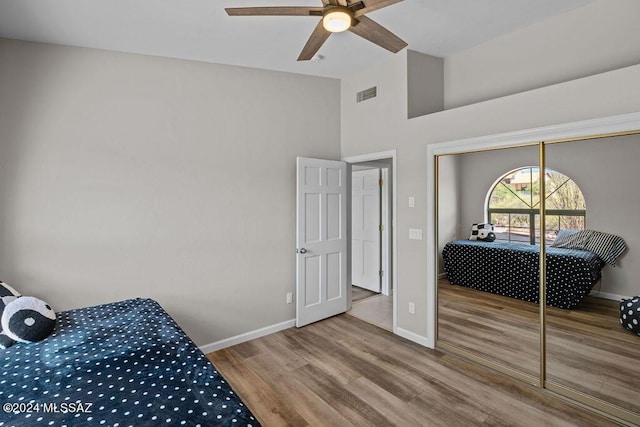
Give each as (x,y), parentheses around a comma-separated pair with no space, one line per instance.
(415,234)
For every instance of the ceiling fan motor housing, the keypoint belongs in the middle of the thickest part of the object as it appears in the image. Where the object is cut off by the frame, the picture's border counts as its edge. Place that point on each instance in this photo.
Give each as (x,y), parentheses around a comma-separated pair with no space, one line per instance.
(337,19)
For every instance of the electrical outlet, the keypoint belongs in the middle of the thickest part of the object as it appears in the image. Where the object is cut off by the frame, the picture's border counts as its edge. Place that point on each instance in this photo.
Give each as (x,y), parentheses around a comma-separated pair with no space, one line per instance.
(412,202)
(412,308)
(289,298)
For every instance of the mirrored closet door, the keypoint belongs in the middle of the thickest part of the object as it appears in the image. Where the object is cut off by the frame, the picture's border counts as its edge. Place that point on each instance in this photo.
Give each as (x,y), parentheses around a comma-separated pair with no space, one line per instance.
(589,351)
(482,311)
(555,219)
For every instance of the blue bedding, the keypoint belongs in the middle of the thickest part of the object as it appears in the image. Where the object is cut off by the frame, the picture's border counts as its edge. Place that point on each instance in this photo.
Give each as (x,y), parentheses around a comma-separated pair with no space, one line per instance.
(512,270)
(120,364)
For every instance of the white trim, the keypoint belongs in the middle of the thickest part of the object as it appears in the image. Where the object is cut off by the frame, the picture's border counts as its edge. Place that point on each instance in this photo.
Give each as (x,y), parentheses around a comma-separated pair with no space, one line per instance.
(390,154)
(585,128)
(371,157)
(247,336)
(432,245)
(381,283)
(385,262)
(425,341)
(385,202)
(607,295)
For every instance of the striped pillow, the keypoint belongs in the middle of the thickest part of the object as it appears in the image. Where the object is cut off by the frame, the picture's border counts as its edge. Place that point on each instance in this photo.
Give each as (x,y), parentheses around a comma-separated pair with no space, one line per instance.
(572,239)
(607,246)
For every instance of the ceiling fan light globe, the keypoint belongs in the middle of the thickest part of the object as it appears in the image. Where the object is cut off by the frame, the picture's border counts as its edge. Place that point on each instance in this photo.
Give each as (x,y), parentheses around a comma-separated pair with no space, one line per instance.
(336,21)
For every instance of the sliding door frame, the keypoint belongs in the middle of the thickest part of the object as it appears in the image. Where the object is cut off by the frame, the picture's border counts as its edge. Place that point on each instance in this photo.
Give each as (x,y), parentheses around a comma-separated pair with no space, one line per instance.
(621,125)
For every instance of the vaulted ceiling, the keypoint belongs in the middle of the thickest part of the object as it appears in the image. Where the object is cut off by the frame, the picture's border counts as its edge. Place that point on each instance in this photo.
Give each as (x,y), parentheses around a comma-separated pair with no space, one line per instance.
(201,30)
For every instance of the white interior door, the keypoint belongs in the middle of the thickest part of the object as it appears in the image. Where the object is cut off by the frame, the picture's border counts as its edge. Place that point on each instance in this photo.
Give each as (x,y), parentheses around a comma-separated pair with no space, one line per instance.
(365,229)
(321,237)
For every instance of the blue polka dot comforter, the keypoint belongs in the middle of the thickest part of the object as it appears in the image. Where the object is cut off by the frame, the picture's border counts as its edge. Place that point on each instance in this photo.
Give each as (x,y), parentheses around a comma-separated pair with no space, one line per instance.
(512,270)
(120,364)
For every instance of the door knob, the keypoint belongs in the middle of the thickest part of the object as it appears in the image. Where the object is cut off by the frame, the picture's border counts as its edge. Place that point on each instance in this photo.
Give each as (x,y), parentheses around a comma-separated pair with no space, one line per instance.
(302,251)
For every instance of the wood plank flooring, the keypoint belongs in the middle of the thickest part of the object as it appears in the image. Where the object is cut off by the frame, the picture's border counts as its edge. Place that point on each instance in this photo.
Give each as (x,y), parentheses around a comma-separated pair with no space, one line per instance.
(587,349)
(502,329)
(343,371)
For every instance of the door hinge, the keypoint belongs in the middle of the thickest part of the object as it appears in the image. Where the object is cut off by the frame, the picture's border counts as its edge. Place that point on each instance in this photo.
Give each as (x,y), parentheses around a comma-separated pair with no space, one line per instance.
(381,181)
(381,273)
(381,227)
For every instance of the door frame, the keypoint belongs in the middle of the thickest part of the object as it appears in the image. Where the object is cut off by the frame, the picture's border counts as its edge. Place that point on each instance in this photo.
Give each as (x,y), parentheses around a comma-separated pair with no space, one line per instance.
(371,168)
(393,189)
(385,217)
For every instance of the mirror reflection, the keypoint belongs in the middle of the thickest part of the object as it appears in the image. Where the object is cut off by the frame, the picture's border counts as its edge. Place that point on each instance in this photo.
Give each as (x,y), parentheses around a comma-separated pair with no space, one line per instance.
(488,287)
(593,345)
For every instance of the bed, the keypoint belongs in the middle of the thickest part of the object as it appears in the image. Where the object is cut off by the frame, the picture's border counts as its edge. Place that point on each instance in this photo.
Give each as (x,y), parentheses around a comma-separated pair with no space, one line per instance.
(512,270)
(120,364)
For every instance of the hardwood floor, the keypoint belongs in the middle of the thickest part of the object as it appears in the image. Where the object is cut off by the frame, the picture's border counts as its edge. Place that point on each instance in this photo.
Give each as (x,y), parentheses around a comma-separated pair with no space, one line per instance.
(502,329)
(587,349)
(343,371)
(590,351)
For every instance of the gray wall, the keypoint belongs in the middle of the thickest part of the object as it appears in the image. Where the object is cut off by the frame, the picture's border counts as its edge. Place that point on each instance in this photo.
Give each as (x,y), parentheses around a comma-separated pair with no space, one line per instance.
(126,175)
(449,199)
(604,169)
(599,37)
(425,84)
(369,127)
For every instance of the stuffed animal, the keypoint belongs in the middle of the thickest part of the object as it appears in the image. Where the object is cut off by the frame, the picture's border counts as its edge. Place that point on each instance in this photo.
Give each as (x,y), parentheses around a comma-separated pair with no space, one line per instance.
(7,295)
(482,232)
(486,235)
(23,319)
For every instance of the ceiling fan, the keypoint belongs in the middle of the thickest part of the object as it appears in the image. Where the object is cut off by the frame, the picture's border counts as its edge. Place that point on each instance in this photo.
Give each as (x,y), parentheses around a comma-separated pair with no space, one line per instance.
(337,16)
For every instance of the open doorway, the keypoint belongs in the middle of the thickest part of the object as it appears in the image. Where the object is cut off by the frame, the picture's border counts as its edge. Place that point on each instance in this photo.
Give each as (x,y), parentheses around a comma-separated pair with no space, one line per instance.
(371,237)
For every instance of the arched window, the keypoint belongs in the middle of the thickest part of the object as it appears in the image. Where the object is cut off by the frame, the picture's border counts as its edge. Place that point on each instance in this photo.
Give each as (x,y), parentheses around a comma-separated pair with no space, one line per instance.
(513,205)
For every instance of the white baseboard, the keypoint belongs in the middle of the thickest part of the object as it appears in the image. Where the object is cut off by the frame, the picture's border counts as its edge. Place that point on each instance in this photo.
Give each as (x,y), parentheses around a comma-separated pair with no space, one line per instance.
(411,336)
(247,336)
(607,295)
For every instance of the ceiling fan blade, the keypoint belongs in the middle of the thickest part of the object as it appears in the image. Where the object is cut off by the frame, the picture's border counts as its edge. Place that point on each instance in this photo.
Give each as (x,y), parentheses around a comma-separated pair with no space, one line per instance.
(376,33)
(371,5)
(274,11)
(317,39)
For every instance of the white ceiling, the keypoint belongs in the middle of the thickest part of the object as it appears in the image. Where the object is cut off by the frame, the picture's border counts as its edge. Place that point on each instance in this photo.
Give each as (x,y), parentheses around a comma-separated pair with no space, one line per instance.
(201,30)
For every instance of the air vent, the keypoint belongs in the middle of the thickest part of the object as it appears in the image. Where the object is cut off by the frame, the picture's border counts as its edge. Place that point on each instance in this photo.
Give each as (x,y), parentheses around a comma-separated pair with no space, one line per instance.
(363,95)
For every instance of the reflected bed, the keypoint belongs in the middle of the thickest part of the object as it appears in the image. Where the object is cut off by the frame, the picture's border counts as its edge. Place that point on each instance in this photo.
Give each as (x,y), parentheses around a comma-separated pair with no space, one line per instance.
(512,270)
